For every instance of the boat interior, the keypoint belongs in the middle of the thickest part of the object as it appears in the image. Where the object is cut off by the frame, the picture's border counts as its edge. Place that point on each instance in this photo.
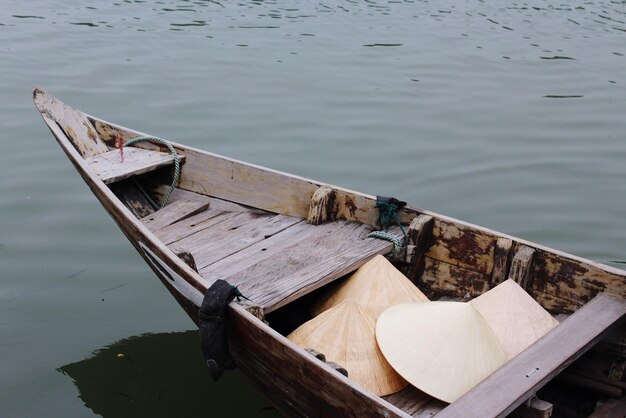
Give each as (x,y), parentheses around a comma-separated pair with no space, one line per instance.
(283,263)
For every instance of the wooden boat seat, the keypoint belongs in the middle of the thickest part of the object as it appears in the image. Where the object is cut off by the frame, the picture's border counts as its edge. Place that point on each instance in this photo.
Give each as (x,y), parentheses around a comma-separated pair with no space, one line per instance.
(273,259)
(530,370)
(111,169)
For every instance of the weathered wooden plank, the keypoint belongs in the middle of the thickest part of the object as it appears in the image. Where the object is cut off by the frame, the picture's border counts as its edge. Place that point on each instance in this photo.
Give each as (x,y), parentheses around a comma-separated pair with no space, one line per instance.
(561,285)
(229,237)
(249,185)
(462,246)
(269,190)
(521,266)
(322,207)
(452,280)
(501,255)
(418,234)
(260,251)
(110,134)
(193,224)
(128,192)
(509,386)
(110,168)
(415,402)
(310,264)
(175,211)
(74,124)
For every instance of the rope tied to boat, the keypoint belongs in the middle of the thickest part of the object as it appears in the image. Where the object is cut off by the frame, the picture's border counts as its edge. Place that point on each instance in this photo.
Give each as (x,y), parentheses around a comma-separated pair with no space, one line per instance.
(156,140)
(388,208)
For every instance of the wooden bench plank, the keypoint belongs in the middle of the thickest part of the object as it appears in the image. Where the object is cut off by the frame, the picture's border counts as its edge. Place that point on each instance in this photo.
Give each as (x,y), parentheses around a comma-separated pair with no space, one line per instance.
(509,386)
(110,168)
(235,234)
(262,250)
(174,212)
(192,225)
(333,250)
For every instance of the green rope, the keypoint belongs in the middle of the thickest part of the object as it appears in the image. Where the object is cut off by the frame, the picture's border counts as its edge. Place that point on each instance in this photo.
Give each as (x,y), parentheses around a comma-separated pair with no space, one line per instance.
(397,244)
(387,216)
(155,140)
(388,213)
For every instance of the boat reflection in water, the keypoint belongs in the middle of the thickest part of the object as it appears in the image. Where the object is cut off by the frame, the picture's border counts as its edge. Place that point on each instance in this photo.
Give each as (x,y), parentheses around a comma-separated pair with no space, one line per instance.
(161,375)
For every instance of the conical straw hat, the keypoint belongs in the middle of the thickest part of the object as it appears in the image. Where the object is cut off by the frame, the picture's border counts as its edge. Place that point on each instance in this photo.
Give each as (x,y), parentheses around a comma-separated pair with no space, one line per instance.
(345,335)
(442,348)
(375,286)
(514,316)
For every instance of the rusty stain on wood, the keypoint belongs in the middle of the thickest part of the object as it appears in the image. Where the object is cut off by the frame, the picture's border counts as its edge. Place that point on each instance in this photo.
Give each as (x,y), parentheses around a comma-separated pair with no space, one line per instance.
(462,246)
(452,280)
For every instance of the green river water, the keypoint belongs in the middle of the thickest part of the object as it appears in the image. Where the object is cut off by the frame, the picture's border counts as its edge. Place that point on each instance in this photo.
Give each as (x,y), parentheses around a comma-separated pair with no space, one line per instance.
(510,115)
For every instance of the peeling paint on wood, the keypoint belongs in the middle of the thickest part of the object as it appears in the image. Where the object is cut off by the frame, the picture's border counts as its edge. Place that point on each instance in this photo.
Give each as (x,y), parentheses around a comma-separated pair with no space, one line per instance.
(462,246)
(453,280)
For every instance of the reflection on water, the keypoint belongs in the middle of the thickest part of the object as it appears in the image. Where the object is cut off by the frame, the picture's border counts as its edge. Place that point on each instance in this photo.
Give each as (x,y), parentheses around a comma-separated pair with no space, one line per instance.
(160,375)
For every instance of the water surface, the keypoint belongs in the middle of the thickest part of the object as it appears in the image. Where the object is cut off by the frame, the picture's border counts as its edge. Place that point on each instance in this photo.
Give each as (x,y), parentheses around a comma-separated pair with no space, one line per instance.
(509,115)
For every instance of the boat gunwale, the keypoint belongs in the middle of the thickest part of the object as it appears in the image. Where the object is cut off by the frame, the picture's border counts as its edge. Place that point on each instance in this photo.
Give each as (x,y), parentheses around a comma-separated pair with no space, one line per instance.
(409,210)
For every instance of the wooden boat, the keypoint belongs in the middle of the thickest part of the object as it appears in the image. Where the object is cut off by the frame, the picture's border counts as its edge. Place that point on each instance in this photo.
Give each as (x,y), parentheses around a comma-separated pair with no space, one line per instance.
(281,238)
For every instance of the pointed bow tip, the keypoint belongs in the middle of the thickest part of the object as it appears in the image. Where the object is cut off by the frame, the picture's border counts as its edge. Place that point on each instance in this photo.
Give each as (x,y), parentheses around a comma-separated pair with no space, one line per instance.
(40,98)
(37,91)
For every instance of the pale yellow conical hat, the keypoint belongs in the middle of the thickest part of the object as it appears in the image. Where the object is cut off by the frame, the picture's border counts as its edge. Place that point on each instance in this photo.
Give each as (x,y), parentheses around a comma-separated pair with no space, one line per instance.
(345,335)
(515,317)
(442,348)
(375,286)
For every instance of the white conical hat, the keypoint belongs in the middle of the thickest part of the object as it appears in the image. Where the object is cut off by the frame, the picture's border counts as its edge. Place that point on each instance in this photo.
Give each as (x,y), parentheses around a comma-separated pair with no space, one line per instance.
(514,316)
(345,335)
(442,348)
(375,286)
